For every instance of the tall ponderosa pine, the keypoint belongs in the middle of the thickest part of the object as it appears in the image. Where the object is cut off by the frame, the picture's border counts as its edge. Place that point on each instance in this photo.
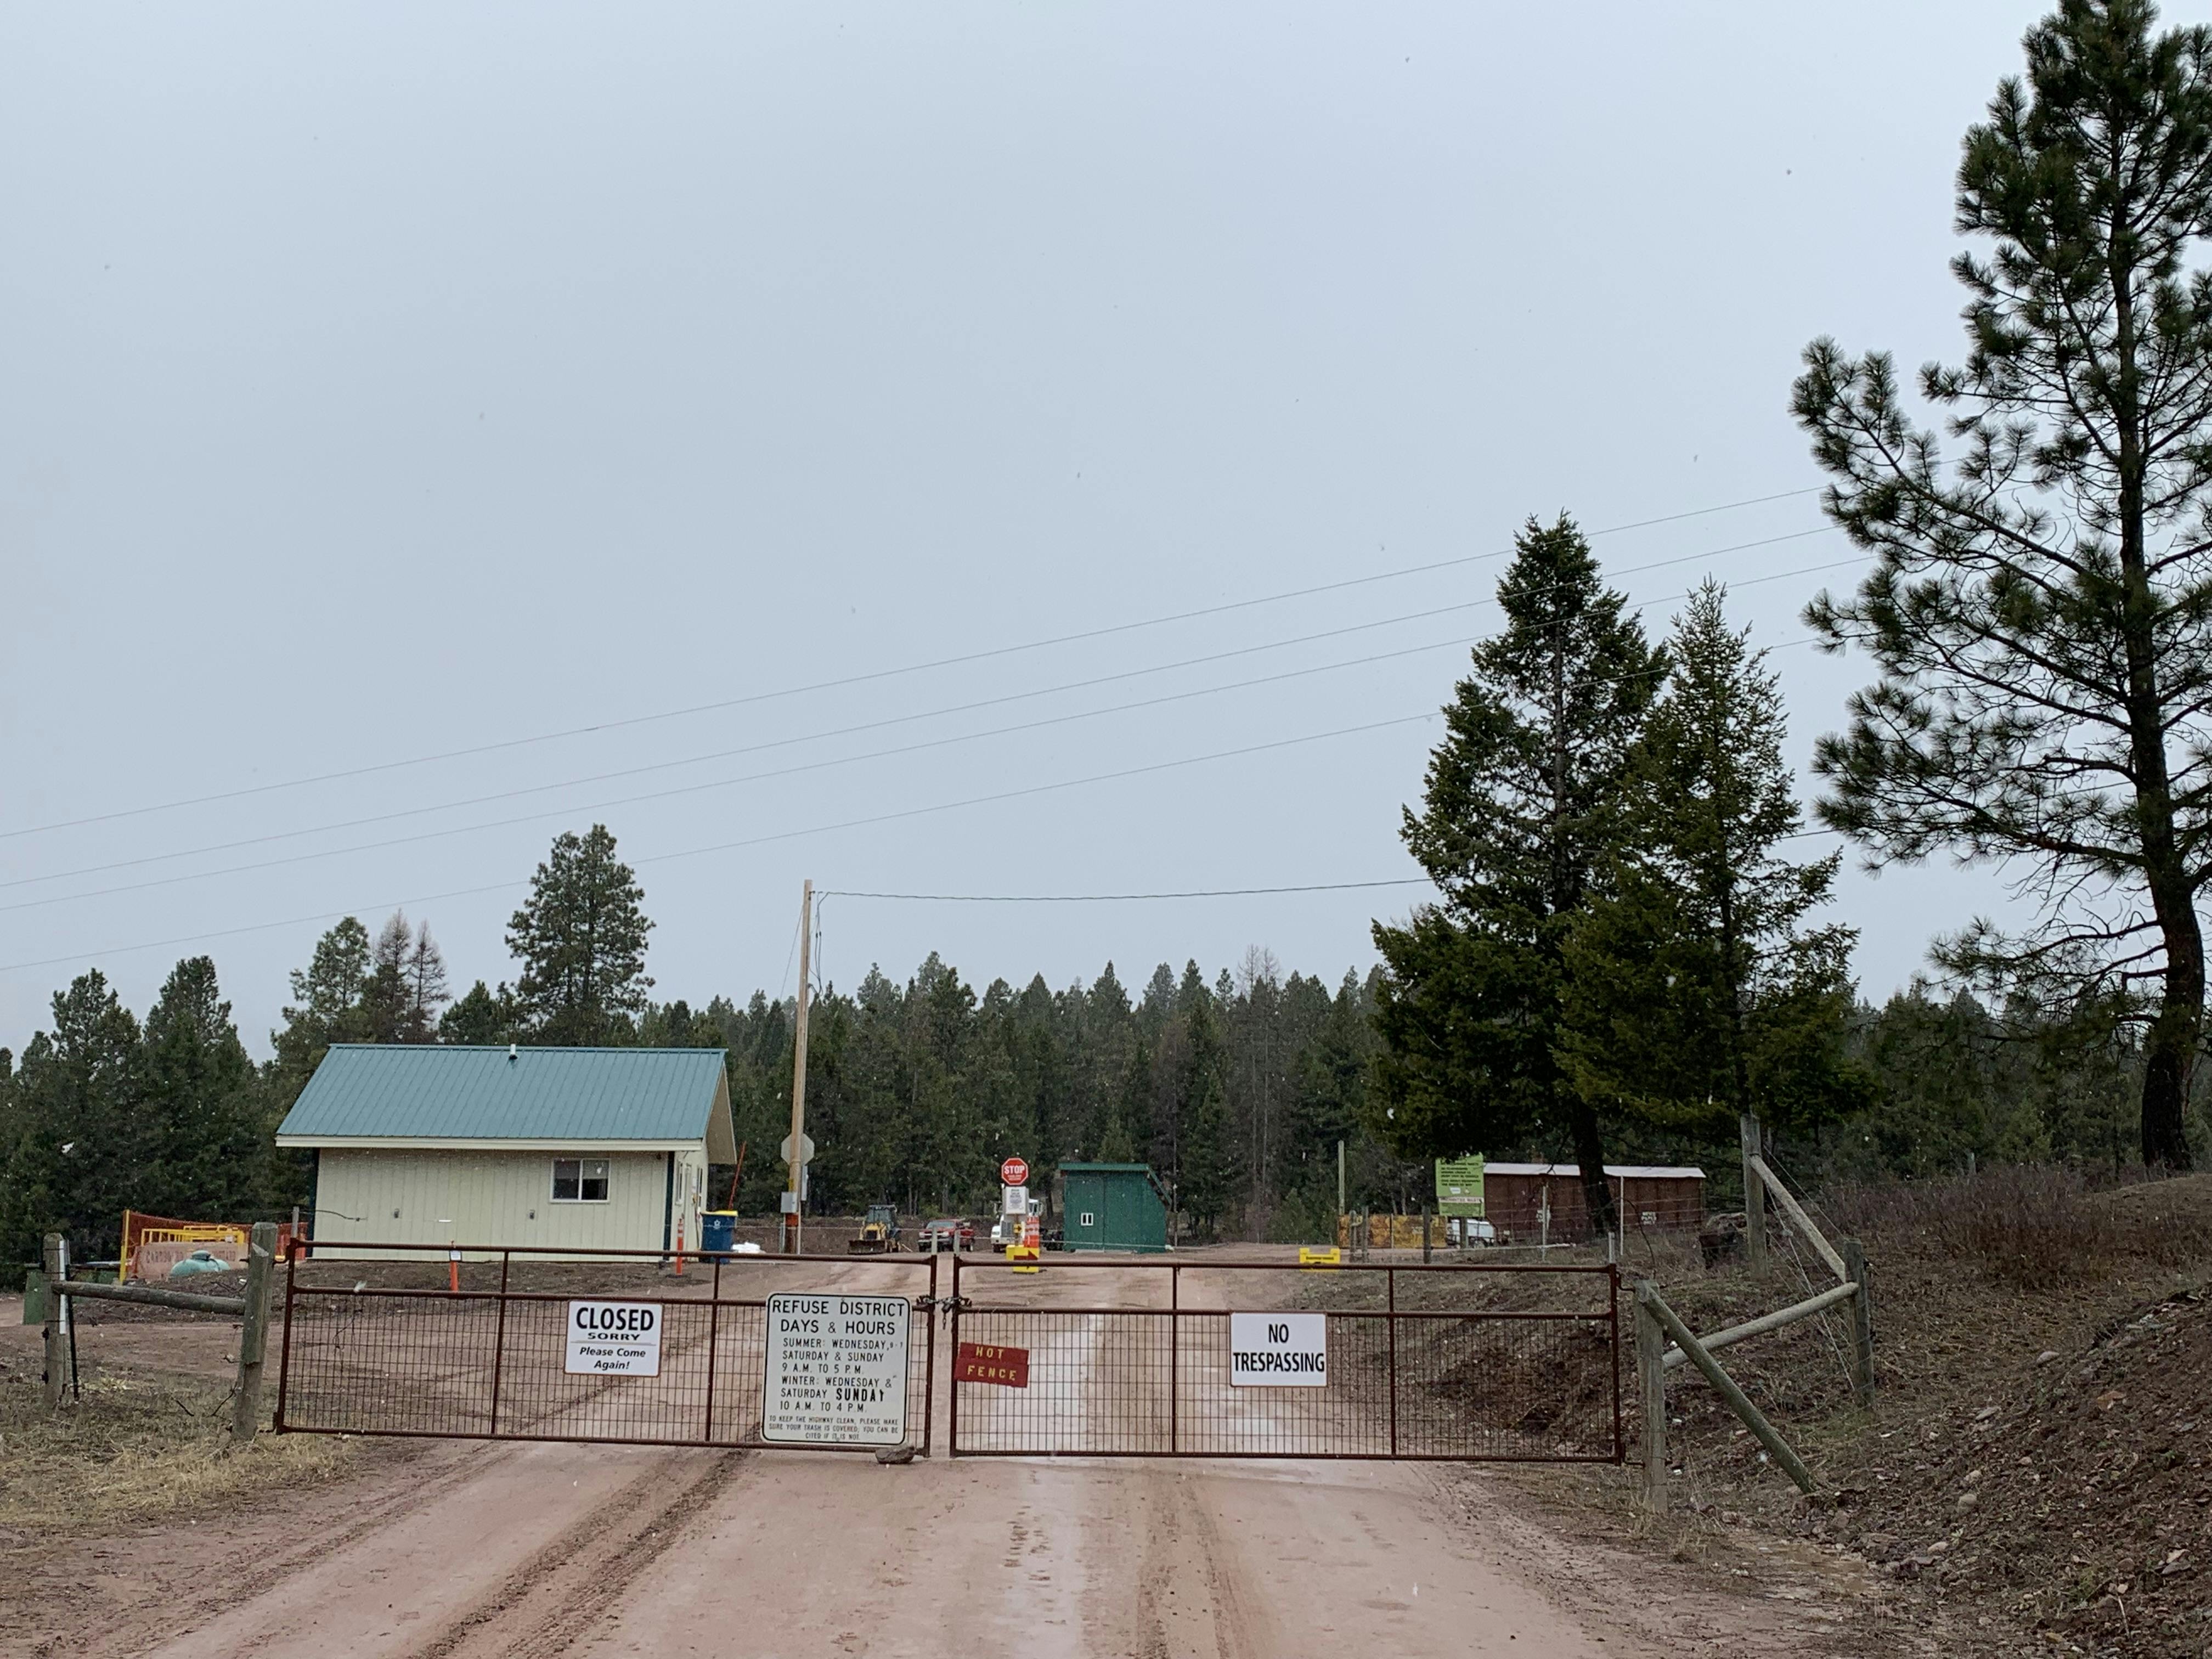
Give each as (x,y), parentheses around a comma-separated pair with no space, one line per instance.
(2041,611)
(1696,988)
(1518,809)
(581,940)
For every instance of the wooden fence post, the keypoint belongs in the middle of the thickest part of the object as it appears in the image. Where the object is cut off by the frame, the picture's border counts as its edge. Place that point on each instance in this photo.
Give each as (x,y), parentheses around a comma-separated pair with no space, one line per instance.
(253,1334)
(57,1329)
(1651,1375)
(1754,1420)
(1855,1264)
(1754,1194)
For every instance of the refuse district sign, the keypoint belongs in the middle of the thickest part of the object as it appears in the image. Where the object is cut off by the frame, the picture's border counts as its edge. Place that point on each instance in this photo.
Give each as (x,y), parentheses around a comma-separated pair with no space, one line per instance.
(836,1370)
(1278,1349)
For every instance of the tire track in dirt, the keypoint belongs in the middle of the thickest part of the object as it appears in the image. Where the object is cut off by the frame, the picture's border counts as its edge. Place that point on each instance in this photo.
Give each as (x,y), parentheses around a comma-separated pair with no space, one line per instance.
(557,1597)
(175,1603)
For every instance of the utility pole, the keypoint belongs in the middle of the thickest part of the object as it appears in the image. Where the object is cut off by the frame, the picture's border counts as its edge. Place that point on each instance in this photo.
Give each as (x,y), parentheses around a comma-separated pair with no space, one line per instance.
(791,1240)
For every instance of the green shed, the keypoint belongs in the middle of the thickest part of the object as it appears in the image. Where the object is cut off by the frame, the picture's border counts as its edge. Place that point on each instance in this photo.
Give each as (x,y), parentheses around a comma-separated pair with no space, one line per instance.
(1112,1206)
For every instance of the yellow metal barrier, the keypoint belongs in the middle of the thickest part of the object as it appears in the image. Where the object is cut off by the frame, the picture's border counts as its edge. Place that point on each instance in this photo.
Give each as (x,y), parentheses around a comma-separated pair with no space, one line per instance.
(1023,1258)
(1328,1257)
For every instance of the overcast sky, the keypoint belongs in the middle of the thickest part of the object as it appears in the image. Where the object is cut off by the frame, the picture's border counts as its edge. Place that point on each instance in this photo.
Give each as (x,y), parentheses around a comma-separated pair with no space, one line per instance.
(384,382)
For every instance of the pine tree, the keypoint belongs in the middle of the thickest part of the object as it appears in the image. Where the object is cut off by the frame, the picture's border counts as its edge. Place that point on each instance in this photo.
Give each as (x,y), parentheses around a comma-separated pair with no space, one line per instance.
(425,986)
(581,940)
(1696,989)
(387,998)
(208,1147)
(327,995)
(76,1138)
(483,1016)
(1207,1183)
(1518,809)
(2039,611)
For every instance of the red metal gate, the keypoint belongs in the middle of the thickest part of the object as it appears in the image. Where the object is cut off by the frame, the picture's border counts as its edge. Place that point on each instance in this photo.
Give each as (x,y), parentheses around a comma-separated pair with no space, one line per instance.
(389,1347)
(1466,1363)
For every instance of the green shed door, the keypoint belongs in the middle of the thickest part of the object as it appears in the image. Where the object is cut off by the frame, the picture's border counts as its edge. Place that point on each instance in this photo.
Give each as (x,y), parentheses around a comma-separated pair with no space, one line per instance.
(1086,1209)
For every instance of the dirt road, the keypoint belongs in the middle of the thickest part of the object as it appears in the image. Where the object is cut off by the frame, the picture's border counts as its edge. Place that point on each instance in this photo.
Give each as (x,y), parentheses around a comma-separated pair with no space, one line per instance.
(510,1550)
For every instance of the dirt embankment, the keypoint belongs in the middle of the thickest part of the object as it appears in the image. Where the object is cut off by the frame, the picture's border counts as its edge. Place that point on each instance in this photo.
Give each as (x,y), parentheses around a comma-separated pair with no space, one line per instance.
(2039,1462)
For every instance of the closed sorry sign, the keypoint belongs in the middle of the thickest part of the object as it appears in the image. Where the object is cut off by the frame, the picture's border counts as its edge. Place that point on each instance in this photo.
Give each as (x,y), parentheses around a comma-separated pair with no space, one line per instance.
(1278,1349)
(614,1338)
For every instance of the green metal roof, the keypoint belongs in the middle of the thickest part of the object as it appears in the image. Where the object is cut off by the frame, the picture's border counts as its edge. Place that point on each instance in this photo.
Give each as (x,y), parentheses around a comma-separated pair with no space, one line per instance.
(426,1092)
(1144,1169)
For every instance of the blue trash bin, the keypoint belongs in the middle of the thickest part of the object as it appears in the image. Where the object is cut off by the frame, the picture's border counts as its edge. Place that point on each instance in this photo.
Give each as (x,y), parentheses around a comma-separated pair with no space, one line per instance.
(718,1232)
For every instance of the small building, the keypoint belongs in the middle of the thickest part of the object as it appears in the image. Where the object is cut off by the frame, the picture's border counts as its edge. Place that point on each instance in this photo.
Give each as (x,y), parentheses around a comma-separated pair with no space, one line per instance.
(1111,1207)
(576,1148)
(1527,1203)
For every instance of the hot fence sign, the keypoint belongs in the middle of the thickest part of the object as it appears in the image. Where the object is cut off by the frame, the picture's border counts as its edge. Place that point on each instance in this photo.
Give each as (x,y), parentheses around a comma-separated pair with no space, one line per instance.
(1278,1349)
(614,1338)
(836,1370)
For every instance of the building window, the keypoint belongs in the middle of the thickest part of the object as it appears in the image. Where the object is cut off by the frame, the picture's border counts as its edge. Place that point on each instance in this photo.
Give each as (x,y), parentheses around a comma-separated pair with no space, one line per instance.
(579,1181)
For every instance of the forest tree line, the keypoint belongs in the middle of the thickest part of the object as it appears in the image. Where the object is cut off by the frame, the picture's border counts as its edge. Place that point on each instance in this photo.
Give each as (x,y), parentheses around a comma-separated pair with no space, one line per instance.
(1236,1088)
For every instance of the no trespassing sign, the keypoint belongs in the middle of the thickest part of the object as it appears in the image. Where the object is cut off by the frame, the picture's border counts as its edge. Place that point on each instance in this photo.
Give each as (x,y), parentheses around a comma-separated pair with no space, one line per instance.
(1278,1349)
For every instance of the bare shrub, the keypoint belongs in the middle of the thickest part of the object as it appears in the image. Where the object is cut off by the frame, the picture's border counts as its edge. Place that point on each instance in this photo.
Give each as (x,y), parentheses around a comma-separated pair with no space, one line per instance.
(2031,1225)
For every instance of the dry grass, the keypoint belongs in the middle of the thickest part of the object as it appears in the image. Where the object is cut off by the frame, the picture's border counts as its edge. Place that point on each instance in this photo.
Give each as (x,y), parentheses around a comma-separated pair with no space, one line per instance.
(134,1450)
(2033,1227)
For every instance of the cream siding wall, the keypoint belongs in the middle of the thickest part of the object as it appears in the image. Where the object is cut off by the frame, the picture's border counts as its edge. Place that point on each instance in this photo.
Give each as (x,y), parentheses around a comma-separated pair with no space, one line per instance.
(497,1198)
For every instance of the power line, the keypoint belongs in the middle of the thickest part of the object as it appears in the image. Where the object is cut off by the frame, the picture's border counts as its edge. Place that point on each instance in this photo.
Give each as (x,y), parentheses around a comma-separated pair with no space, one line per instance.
(748,842)
(838,731)
(791,771)
(722,783)
(1118,898)
(859,679)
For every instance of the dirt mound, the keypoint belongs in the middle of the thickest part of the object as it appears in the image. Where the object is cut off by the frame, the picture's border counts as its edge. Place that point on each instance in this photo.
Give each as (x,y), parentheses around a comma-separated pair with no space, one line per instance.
(2087,1504)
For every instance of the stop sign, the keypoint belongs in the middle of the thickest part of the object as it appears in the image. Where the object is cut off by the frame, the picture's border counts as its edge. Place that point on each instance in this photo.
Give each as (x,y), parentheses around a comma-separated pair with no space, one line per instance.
(1015,1172)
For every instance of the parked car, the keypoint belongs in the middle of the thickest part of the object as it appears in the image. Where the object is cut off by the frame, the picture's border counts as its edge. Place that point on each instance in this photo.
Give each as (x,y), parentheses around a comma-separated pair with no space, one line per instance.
(947,1234)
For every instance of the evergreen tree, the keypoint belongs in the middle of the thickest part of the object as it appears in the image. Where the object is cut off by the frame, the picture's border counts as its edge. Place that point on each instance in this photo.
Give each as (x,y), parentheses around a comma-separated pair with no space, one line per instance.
(483,1016)
(75,1152)
(2041,611)
(425,986)
(1696,989)
(1519,806)
(387,996)
(209,1149)
(328,996)
(581,940)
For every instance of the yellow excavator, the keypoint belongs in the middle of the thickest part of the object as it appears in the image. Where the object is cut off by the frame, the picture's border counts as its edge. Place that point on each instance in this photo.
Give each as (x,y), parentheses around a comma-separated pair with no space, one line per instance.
(878,1233)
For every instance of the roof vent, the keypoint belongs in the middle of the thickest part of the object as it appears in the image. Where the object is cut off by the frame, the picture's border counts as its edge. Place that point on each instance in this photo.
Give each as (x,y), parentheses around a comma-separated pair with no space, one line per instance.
(510,1051)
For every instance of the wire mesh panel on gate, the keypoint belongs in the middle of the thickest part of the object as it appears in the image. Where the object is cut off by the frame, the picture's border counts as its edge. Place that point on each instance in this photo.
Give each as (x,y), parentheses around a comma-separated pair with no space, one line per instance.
(1533,1382)
(491,1361)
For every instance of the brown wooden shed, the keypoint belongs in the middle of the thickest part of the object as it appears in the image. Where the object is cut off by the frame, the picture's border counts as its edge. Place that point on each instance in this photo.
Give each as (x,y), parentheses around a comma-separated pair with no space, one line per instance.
(1517,1196)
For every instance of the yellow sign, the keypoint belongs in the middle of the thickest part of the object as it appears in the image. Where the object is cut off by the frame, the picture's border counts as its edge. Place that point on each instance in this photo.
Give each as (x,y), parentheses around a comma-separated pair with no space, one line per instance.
(1329,1257)
(1023,1258)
